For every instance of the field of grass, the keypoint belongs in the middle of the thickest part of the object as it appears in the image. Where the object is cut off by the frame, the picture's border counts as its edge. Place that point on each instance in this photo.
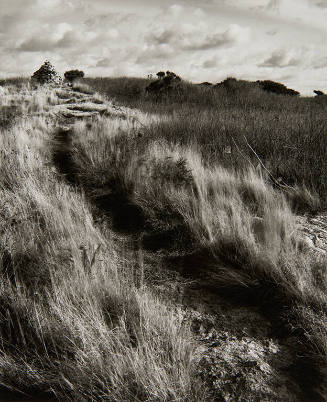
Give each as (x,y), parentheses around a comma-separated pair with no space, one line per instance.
(205,182)
(286,133)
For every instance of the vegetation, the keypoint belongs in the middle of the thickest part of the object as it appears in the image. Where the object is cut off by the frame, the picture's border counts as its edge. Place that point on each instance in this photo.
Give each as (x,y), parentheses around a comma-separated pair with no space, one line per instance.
(45,74)
(73,75)
(285,133)
(74,322)
(277,88)
(205,181)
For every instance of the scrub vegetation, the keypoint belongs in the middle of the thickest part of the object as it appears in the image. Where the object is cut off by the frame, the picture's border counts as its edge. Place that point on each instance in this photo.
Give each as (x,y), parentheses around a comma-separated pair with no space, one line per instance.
(115,201)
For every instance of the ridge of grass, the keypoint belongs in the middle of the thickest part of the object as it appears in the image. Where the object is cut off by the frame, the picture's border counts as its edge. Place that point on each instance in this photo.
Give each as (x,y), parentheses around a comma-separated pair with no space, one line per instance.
(74,325)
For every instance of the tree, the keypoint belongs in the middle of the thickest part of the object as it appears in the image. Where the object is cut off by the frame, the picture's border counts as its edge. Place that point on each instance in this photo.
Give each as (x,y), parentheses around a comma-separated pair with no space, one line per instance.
(161,74)
(46,74)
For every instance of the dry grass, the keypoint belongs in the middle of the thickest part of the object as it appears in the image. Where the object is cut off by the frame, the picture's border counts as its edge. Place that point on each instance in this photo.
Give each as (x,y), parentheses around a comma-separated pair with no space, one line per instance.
(287,133)
(243,229)
(73,322)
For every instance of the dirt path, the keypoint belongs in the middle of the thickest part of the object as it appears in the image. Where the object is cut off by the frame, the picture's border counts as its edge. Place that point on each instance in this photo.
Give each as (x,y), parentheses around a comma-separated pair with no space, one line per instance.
(243,354)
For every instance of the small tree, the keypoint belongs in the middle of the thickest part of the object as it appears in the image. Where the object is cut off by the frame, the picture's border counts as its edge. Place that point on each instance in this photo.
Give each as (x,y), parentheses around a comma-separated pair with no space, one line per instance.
(161,74)
(46,74)
(73,75)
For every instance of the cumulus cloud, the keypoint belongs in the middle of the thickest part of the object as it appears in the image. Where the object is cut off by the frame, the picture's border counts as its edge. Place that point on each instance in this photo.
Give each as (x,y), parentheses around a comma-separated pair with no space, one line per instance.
(234,34)
(320,62)
(37,45)
(210,63)
(175,10)
(163,36)
(69,40)
(196,37)
(105,62)
(273,5)
(280,59)
(320,3)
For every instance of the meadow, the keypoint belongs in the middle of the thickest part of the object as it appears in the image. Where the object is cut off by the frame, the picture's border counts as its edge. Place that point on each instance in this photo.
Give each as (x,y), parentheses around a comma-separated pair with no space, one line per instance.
(102,220)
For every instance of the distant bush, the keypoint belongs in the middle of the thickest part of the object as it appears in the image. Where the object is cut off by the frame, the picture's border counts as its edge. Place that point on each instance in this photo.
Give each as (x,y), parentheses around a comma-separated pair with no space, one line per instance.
(319,93)
(46,74)
(277,88)
(165,83)
(72,75)
(231,85)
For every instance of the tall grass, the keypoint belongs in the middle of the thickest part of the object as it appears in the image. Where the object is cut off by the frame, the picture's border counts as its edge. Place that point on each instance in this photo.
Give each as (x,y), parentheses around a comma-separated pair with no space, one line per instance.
(286,133)
(73,322)
(228,224)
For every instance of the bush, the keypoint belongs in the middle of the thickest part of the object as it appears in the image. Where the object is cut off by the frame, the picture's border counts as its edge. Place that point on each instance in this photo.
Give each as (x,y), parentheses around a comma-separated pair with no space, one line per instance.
(46,74)
(72,75)
(277,88)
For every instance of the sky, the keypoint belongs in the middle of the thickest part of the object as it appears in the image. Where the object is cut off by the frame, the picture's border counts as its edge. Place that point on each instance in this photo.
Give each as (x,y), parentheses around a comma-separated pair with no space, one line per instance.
(203,40)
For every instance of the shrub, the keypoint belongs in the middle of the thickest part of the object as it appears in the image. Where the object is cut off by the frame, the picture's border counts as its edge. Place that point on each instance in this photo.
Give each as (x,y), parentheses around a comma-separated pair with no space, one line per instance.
(277,88)
(72,75)
(46,74)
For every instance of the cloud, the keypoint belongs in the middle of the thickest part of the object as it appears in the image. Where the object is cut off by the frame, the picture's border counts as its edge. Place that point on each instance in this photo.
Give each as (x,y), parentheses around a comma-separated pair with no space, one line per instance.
(6,22)
(162,36)
(192,38)
(37,45)
(155,53)
(320,3)
(233,35)
(175,10)
(320,62)
(68,40)
(210,63)
(280,59)
(273,5)
(105,62)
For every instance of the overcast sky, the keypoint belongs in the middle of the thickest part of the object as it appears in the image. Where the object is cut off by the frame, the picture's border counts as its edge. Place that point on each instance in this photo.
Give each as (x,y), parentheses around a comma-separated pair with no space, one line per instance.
(203,40)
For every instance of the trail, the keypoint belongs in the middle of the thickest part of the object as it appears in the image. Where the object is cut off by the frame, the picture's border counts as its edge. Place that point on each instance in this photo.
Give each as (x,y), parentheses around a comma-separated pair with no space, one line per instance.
(244,351)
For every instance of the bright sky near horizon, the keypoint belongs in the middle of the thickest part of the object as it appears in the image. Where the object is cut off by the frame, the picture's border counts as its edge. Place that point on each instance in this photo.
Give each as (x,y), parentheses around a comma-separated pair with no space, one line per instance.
(204,40)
